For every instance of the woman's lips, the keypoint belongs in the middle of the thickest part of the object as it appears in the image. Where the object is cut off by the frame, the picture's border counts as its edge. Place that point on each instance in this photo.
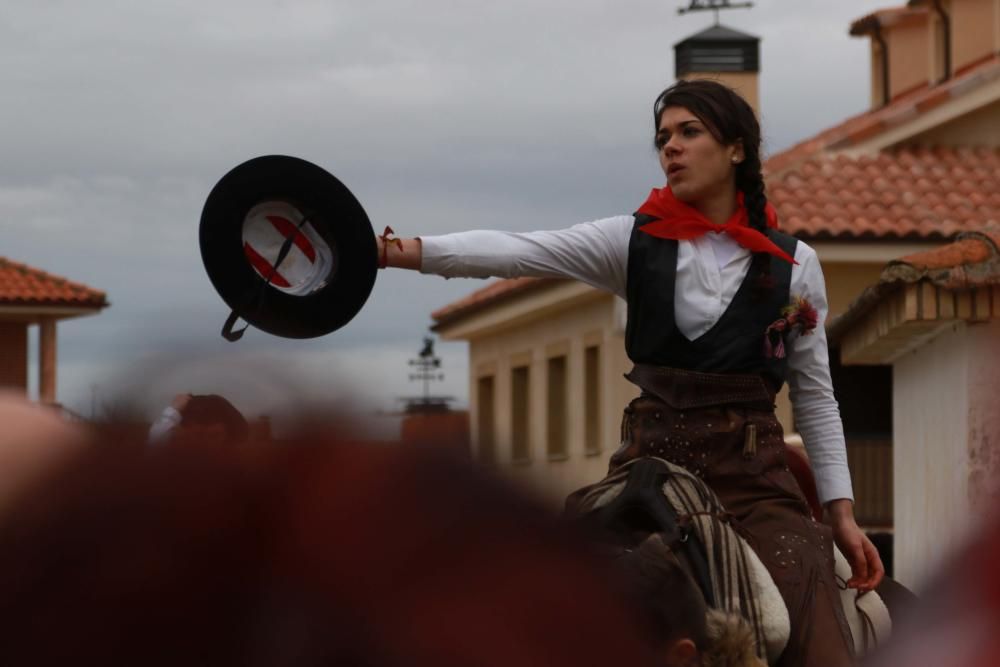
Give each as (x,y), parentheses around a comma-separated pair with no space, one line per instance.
(674,169)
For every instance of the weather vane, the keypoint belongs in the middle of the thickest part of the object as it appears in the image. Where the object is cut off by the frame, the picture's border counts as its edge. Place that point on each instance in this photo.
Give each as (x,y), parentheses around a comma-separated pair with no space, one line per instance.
(713,5)
(426,363)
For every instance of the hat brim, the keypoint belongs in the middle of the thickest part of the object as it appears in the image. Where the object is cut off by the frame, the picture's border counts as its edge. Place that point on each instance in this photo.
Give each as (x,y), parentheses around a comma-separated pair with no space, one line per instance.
(333,212)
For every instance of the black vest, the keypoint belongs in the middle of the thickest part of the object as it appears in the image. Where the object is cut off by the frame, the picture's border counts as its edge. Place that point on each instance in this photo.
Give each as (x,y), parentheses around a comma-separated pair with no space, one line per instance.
(735,344)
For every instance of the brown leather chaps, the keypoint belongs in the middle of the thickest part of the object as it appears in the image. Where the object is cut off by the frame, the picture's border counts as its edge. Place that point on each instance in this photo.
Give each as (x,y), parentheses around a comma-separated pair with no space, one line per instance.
(723,429)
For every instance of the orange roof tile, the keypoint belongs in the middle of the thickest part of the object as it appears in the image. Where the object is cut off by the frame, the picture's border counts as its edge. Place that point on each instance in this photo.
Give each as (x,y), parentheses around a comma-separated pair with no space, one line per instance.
(875,121)
(913,193)
(487,296)
(971,261)
(22,285)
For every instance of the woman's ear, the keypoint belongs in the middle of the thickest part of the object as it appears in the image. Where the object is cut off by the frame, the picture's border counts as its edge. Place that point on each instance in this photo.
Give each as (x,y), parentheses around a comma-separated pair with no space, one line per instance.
(739,154)
(682,653)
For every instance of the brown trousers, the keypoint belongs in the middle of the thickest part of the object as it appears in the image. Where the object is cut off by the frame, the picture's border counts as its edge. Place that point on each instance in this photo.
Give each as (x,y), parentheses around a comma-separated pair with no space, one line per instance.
(723,429)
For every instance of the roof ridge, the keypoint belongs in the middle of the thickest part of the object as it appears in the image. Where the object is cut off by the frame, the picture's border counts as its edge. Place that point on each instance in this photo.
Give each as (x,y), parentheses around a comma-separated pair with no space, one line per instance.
(26,284)
(872,122)
(972,260)
(493,292)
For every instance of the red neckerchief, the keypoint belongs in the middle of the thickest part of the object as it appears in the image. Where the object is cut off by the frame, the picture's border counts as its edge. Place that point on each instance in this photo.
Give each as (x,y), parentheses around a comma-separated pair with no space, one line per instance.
(681,222)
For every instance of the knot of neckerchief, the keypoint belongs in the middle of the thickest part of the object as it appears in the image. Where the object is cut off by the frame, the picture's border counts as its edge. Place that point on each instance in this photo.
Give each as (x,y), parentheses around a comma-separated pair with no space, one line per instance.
(681,222)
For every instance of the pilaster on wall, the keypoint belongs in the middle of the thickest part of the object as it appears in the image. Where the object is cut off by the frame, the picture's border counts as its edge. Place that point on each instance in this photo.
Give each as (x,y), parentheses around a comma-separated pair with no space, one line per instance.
(47,360)
(14,356)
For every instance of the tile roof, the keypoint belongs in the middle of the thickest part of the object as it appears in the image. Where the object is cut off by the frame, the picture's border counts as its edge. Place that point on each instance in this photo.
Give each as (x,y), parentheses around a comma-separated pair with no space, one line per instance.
(969,263)
(911,193)
(22,285)
(875,121)
(496,291)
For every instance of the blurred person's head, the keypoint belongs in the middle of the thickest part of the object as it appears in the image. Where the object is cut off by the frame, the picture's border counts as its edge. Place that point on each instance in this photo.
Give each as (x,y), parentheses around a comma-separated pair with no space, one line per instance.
(669,608)
(672,615)
(312,553)
(209,419)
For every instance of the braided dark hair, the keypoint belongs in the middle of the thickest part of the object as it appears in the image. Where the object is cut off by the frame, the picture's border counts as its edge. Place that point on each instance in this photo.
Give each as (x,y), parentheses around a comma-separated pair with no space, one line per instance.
(730,119)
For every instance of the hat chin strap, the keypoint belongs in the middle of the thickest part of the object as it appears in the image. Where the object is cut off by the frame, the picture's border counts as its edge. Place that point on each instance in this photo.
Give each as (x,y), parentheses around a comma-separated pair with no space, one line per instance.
(252,296)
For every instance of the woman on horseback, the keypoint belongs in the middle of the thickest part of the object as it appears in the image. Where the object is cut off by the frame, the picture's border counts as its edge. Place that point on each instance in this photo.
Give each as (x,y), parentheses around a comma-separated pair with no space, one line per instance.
(723,309)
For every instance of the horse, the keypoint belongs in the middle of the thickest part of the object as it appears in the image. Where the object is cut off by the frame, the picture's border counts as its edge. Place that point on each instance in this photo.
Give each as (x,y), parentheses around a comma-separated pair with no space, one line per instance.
(652,496)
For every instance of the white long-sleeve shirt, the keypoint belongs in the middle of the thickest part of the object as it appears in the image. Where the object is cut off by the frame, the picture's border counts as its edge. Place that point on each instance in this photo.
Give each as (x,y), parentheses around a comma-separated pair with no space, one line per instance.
(710,269)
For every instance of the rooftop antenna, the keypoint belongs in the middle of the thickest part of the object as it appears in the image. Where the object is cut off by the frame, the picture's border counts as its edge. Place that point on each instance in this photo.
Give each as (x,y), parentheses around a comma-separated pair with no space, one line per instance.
(713,5)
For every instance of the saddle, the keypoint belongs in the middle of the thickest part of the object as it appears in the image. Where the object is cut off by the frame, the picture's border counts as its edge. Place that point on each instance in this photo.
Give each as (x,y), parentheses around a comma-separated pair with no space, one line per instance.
(651,495)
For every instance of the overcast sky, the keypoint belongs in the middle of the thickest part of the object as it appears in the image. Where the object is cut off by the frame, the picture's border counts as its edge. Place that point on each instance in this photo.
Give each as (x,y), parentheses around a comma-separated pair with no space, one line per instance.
(119,117)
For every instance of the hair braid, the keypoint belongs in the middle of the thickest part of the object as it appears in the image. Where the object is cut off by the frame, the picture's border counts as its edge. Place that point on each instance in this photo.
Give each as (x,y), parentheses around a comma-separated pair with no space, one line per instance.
(750,181)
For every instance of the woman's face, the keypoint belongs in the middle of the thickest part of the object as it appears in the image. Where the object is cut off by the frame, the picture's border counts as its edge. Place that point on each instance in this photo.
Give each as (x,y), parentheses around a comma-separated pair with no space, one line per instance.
(697,166)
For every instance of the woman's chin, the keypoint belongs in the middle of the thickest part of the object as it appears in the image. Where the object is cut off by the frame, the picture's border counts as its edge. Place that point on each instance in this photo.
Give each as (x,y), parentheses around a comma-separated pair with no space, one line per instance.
(684,192)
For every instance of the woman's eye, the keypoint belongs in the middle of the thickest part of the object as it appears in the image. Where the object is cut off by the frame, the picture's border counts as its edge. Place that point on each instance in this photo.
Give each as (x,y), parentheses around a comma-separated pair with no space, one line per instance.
(690,132)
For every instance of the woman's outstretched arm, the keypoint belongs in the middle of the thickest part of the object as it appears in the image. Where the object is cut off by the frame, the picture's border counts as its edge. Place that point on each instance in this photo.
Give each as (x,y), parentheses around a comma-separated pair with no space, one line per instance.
(595,253)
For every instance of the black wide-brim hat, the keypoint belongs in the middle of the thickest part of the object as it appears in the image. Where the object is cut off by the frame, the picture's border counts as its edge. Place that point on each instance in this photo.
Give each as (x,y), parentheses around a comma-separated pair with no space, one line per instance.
(287,247)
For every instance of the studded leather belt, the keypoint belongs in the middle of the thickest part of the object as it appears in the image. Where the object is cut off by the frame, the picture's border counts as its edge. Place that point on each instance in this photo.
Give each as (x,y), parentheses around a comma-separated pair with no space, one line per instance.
(684,390)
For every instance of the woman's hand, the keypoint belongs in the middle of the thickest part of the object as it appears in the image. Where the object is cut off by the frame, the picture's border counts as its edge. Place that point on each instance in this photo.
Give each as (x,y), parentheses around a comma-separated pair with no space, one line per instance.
(401,253)
(867,570)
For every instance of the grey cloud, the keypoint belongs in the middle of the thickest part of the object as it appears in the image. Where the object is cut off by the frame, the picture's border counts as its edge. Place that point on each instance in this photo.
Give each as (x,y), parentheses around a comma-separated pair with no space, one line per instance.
(440,115)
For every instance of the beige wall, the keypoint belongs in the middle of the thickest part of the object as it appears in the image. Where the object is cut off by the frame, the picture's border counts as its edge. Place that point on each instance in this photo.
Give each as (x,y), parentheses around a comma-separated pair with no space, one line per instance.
(846,280)
(908,47)
(568,332)
(746,84)
(974,30)
(979,128)
(946,426)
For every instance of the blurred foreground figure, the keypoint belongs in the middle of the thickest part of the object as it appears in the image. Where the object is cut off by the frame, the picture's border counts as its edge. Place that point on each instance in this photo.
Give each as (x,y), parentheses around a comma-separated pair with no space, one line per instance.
(314,553)
(207,420)
(672,614)
(33,438)
(957,620)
